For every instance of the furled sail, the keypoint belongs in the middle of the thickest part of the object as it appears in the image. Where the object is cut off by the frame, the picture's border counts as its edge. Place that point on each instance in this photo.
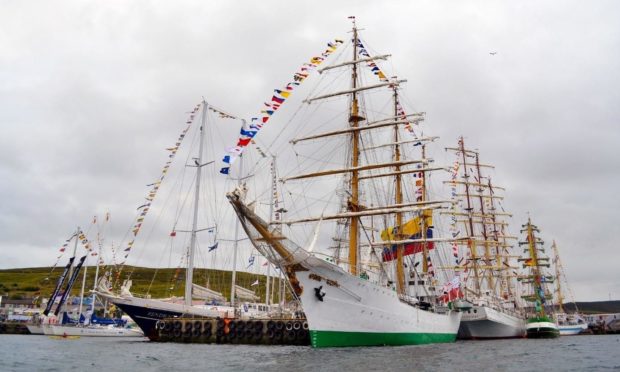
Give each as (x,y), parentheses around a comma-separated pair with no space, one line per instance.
(206,294)
(245,294)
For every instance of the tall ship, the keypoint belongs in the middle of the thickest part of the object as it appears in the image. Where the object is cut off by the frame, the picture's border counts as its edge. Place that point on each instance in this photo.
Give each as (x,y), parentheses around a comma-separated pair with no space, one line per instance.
(539,324)
(487,262)
(568,324)
(356,195)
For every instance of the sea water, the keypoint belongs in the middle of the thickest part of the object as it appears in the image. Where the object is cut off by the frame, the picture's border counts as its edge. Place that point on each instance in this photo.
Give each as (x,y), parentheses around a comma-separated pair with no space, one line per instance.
(568,353)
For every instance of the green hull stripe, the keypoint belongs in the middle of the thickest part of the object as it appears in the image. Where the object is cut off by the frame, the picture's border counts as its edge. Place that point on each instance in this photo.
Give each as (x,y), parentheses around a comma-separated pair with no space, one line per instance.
(334,338)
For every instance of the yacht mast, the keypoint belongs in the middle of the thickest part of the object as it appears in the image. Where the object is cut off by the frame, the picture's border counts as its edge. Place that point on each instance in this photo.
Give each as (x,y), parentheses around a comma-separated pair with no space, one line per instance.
(189,273)
(236,242)
(271,207)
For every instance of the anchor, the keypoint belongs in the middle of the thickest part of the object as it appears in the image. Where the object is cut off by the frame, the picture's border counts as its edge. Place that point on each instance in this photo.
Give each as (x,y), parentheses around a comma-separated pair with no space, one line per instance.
(318,294)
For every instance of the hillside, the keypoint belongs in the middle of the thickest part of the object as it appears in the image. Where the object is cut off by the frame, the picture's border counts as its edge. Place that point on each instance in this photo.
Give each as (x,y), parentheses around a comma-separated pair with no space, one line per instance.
(40,281)
(595,307)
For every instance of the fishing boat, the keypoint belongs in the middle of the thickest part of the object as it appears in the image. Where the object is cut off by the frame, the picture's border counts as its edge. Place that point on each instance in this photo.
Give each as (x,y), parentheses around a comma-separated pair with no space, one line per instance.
(198,300)
(539,324)
(489,283)
(569,324)
(376,284)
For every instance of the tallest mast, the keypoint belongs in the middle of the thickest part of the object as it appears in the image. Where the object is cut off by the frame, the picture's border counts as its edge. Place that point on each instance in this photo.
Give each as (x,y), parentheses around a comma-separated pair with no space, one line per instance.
(189,273)
(354,120)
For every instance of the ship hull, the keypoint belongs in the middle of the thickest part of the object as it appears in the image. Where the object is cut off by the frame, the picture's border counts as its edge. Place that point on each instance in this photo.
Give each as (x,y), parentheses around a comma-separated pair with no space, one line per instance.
(64,331)
(485,323)
(571,330)
(146,312)
(542,330)
(355,312)
(35,329)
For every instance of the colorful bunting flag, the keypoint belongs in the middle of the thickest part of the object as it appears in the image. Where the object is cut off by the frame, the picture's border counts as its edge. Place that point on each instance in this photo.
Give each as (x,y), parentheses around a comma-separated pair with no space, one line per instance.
(277,99)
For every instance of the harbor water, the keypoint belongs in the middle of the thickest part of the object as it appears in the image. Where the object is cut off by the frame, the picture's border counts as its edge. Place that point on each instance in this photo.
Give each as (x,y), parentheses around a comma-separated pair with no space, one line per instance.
(41,353)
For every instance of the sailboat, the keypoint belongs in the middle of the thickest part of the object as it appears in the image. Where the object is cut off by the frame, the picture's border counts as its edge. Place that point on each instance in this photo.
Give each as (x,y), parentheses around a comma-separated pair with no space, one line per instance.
(568,324)
(146,312)
(489,285)
(376,293)
(85,324)
(539,325)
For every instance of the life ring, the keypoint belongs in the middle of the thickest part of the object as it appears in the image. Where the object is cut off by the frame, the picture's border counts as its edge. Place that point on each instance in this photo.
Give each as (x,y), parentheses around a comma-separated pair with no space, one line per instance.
(240,326)
(271,324)
(160,324)
(290,335)
(296,326)
(289,326)
(279,325)
(302,334)
(249,333)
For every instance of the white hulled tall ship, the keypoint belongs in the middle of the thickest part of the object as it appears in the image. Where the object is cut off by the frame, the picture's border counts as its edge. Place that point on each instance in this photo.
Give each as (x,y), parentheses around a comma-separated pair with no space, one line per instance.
(376,284)
(486,269)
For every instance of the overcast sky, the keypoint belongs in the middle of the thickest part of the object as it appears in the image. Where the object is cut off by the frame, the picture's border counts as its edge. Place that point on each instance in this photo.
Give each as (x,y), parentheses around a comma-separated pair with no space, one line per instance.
(92,92)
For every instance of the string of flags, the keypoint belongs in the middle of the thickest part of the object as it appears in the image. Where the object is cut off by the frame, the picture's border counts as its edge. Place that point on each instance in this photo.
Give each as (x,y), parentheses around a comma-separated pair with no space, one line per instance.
(222,114)
(246,135)
(453,222)
(374,68)
(371,64)
(152,193)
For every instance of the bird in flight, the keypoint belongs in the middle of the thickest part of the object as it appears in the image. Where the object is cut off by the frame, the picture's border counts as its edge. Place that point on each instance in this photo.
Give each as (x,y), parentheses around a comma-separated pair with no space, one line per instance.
(493,53)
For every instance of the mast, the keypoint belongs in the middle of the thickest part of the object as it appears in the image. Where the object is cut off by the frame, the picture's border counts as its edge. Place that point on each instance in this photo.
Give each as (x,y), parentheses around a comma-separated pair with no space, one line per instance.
(423,226)
(271,207)
(558,268)
(236,241)
(96,271)
(354,120)
(77,237)
(537,277)
(471,242)
(398,199)
(487,249)
(82,293)
(189,273)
